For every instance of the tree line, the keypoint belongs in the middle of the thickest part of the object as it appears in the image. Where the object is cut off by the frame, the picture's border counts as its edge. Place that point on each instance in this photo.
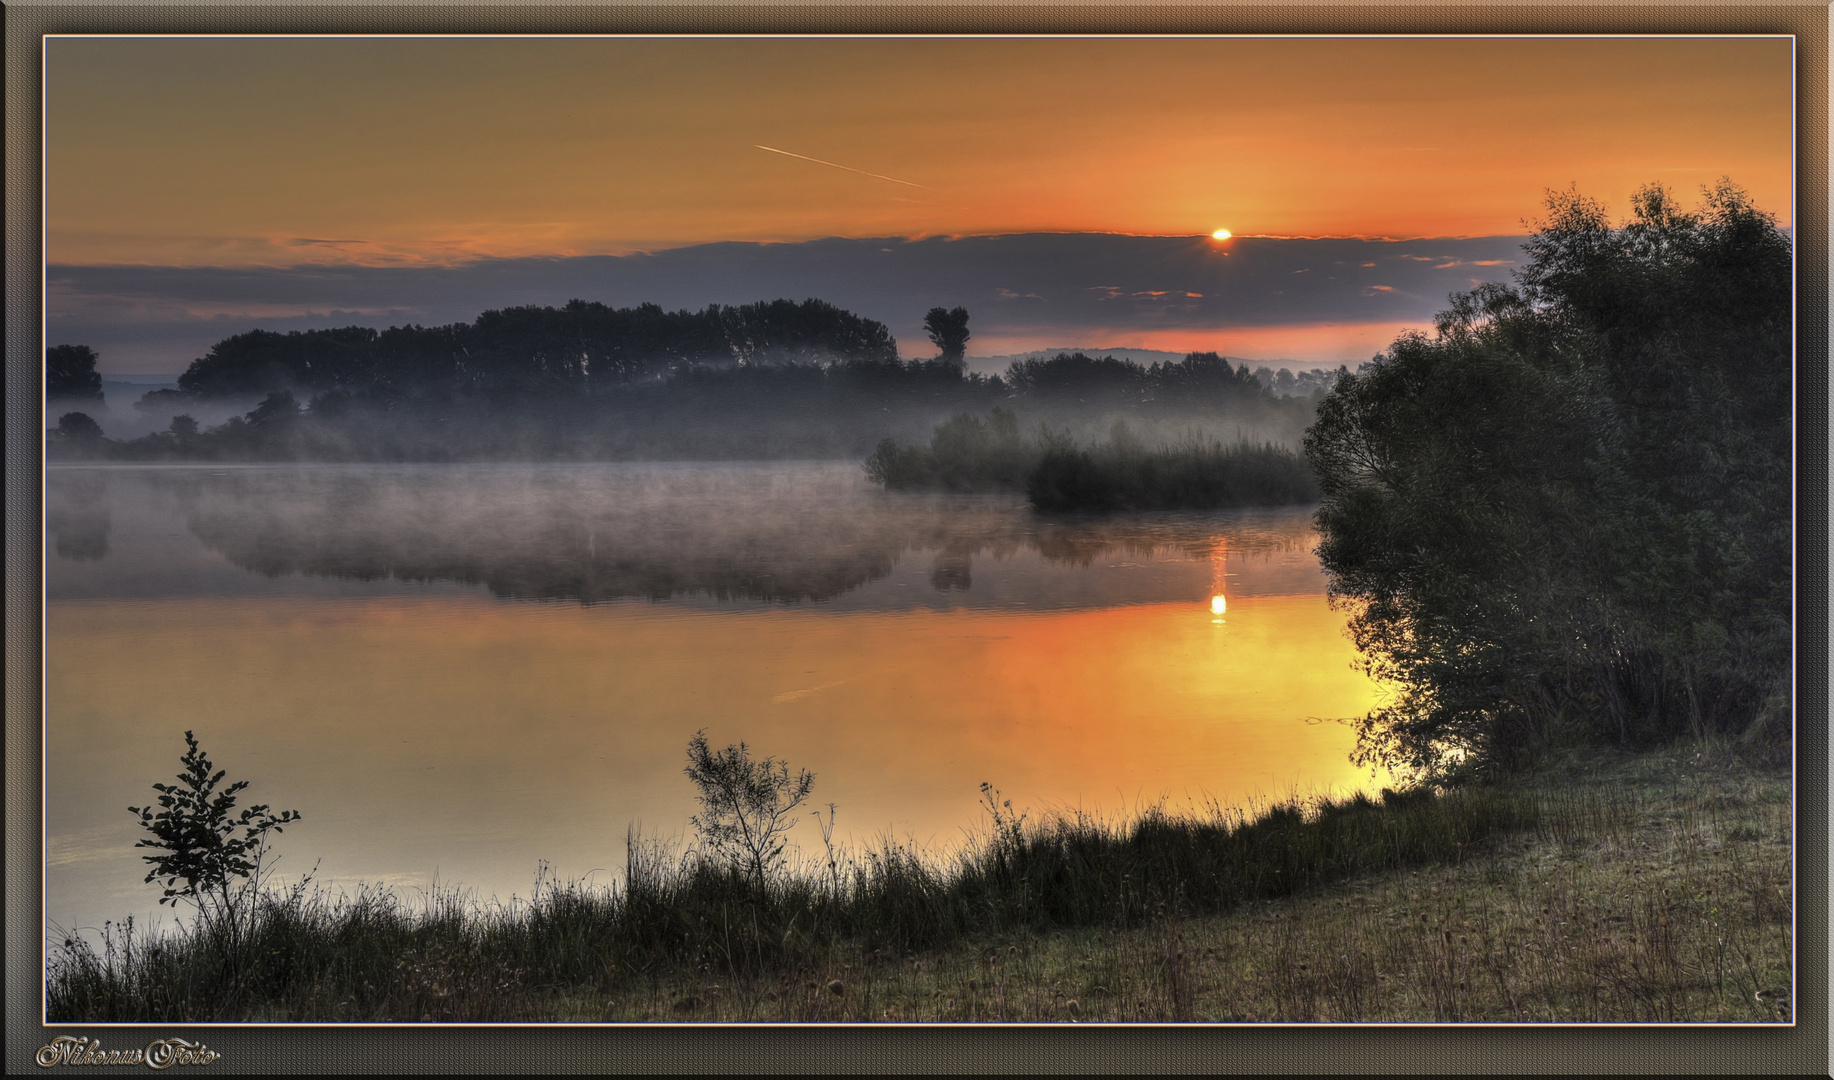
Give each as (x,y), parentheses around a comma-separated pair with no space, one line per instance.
(578,348)
(583,381)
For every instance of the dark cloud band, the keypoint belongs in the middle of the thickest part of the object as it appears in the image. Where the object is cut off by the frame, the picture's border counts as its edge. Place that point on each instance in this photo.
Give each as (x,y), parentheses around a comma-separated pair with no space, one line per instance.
(1065,286)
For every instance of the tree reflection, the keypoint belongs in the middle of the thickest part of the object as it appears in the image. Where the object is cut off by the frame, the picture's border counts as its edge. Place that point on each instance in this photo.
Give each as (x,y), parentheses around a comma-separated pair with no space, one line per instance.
(77,517)
(781,534)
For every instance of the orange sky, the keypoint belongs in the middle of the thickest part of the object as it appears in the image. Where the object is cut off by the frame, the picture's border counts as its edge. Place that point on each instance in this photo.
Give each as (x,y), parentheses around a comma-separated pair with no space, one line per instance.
(289,151)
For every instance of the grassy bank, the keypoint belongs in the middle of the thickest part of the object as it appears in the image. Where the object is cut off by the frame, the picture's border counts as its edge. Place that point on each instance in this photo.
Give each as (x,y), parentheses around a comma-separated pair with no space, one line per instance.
(1653,888)
(1639,888)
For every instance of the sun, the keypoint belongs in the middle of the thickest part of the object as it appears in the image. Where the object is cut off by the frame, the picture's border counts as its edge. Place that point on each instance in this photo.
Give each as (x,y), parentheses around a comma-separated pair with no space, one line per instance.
(1221,234)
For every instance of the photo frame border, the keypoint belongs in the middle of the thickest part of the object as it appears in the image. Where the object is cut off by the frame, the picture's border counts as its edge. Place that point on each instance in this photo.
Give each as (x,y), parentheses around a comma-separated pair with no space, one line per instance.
(1802,1048)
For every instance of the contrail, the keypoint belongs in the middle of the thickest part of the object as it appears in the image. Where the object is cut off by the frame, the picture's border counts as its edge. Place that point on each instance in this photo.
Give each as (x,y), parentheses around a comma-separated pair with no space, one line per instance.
(832,165)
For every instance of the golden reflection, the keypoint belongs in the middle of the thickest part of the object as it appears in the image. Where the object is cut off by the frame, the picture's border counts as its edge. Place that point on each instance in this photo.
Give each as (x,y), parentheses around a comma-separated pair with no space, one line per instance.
(473,738)
(1219,574)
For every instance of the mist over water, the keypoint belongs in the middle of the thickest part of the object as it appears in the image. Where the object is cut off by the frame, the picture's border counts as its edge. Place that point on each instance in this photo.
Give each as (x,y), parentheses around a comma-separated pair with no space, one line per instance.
(721,535)
(461,670)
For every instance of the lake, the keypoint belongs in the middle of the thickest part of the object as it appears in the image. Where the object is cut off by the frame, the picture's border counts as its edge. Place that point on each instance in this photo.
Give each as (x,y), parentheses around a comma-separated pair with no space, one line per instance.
(458,673)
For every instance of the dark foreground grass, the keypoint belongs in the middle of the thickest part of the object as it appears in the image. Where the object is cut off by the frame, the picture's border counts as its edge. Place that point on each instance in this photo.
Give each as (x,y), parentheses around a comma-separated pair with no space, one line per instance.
(679,920)
(1607,887)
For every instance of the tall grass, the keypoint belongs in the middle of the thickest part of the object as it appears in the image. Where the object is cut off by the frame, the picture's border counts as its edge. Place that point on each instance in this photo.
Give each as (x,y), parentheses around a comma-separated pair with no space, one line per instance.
(970,454)
(1121,475)
(310,956)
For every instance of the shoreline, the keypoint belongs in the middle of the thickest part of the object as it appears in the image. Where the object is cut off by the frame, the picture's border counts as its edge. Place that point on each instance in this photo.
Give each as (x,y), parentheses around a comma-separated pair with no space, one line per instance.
(1650,887)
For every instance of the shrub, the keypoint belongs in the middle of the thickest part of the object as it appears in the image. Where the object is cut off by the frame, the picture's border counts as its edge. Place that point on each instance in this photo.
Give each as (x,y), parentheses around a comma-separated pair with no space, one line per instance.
(195,840)
(747,806)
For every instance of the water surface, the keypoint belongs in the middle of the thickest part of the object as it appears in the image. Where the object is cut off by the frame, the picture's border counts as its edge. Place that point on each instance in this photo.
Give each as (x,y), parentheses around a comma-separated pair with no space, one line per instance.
(458,672)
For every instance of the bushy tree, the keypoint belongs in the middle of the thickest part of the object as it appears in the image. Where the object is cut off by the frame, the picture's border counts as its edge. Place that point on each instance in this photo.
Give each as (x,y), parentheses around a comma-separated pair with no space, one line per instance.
(261,361)
(1068,374)
(966,453)
(1199,377)
(79,429)
(1568,509)
(70,374)
(948,330)
(199,840)
(277,410)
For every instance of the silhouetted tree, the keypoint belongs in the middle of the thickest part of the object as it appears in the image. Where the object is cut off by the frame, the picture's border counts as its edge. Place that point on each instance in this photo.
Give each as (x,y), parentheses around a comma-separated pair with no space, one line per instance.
(747,806)
(948,329)
(70,374)
(160,399)
(1569,509)
(261,361)
(1203,376)
(277,410)
(76,427)
(197,838)
(331,405)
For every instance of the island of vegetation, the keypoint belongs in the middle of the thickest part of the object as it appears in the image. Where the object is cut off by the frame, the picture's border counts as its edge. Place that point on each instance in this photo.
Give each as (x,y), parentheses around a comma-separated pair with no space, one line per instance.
(1561,526)
(968,453)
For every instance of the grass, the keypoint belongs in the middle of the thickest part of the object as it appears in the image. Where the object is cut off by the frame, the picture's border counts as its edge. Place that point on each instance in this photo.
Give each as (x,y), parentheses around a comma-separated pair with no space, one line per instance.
(1633,888)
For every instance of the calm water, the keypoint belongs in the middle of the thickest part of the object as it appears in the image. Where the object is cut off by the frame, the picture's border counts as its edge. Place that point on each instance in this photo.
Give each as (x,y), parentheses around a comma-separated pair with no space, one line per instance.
(457,672)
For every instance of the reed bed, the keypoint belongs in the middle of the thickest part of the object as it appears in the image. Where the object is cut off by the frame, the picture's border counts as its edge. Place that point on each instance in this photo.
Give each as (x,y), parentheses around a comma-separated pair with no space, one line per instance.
(968,453)
(1193,475)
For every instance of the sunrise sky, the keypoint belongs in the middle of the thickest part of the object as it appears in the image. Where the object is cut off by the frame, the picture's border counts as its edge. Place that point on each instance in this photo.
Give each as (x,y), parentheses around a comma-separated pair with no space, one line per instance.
(200,187)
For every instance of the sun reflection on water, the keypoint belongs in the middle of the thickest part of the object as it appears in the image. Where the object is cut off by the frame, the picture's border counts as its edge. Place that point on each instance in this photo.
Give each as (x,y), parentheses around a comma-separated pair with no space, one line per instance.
(1219,570)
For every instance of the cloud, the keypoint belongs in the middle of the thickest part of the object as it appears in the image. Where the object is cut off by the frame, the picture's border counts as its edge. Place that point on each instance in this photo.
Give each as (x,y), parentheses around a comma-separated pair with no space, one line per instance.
(154,319)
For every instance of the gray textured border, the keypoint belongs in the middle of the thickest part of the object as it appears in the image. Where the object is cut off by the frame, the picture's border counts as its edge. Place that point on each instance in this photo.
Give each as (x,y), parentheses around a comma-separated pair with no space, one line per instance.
(1803,1049)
